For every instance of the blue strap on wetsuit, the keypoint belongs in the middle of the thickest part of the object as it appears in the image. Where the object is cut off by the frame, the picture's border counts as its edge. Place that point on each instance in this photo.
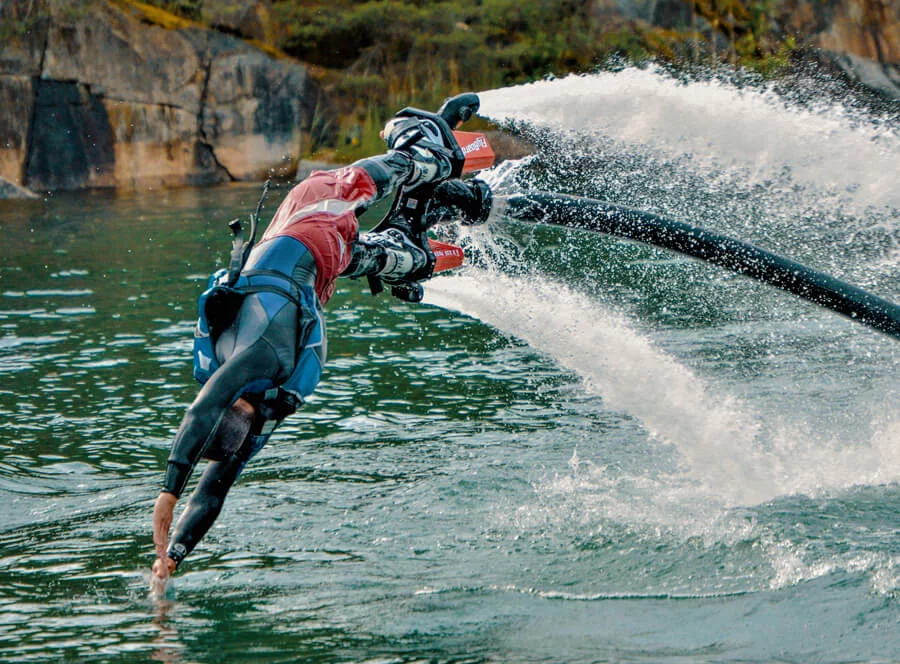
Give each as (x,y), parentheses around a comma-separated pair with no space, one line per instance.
(268,275)
(241,345)
(205,362)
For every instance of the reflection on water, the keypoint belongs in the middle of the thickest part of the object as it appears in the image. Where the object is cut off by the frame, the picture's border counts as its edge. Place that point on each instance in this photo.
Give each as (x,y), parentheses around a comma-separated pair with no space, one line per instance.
(168,648)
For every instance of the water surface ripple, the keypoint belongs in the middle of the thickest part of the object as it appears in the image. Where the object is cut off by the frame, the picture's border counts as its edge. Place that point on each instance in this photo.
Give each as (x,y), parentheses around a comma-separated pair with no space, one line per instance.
(579,449)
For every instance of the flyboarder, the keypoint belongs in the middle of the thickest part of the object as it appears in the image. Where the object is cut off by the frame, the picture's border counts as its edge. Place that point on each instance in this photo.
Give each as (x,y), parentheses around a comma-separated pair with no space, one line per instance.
(260,343)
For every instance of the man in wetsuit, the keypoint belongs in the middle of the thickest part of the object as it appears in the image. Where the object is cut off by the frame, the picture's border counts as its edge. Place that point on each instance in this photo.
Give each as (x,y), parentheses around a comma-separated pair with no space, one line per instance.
(270,355)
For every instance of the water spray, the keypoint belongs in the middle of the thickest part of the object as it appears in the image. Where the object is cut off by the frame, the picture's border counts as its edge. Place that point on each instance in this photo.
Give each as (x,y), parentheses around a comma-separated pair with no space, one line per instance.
(745,259)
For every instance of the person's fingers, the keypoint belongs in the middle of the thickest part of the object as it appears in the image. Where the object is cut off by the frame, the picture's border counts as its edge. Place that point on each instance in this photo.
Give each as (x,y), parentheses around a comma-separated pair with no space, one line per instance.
(161,569)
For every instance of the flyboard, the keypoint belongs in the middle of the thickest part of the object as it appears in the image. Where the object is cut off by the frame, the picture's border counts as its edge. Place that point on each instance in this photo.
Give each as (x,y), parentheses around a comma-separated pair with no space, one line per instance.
(472,152)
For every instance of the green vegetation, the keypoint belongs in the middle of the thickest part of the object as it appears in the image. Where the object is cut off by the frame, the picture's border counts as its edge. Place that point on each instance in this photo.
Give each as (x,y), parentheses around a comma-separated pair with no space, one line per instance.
(21,18)
(378,55)
(374,56)
(189,9)
(153,14)
(749,28)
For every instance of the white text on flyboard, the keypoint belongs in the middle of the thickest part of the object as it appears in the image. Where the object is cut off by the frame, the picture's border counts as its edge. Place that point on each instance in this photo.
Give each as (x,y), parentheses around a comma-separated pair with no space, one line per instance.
(477,144)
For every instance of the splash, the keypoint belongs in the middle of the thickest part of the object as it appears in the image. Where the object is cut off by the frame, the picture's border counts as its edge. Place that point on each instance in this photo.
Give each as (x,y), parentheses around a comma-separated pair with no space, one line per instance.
(745,135)
(732,466)
(730,458)
(815,184)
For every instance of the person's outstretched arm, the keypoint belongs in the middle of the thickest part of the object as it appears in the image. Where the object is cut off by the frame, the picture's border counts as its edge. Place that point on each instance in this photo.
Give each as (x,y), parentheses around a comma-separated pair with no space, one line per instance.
(231,432)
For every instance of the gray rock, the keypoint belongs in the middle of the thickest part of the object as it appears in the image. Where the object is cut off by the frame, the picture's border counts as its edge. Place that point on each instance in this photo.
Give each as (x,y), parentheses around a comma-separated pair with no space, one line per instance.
(72,142)
(23,35)
(247,18)
(11,190)
(256,110)
(130,60)
(16,106)
(883,78)
(99,98)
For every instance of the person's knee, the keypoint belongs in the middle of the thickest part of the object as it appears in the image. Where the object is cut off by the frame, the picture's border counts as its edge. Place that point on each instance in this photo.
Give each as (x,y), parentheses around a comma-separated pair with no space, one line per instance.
(243,409)
(232,431)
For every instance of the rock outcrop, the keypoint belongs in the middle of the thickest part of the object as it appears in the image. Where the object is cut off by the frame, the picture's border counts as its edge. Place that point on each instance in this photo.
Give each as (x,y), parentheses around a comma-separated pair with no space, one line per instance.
(250,19)
(865,28)
(100,98)
(10,190)
(861,38)
(116,93)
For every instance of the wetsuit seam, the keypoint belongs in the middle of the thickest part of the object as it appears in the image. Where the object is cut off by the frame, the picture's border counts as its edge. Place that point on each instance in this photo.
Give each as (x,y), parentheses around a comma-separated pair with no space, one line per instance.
(274,350)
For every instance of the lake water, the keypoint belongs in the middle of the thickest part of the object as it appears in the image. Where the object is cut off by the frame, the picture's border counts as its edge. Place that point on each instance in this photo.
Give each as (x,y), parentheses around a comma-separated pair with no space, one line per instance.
(579,449)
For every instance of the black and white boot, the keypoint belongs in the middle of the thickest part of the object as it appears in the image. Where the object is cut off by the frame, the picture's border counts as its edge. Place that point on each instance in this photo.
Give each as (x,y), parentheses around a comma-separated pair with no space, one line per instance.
(422,141)
(389,255)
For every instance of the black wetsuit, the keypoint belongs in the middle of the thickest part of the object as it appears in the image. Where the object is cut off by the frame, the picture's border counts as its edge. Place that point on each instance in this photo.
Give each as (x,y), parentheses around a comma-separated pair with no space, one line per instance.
(271,354)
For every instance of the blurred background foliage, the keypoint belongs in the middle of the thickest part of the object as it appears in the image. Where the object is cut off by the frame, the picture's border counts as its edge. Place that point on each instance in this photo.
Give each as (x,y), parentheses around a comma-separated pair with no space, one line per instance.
(375,56)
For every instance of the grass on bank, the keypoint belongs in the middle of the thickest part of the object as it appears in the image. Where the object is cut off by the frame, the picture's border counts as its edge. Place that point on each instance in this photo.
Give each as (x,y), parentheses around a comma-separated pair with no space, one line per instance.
(380,55)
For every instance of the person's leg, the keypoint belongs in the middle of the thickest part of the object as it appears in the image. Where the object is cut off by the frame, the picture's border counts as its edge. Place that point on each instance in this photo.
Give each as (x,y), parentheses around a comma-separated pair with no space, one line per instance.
(389,254)
(218,477)
(392,255)
(232,430)
(246,426)
(257,349)
(204,416)
(203,506)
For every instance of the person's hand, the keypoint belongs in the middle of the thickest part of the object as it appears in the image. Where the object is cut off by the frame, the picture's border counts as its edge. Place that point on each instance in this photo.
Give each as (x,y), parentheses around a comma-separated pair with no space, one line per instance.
(162,521)
(162,569)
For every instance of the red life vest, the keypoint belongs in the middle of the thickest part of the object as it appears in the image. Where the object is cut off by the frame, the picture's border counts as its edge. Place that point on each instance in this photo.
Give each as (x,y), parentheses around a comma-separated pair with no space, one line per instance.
(320,212)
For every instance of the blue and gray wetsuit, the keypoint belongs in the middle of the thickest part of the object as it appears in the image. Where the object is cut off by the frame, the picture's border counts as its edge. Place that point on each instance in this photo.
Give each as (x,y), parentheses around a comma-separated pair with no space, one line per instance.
(271,353)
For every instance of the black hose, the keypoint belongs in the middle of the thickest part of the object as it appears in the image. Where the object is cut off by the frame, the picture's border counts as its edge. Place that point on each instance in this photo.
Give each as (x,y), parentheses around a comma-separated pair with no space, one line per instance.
(740,257)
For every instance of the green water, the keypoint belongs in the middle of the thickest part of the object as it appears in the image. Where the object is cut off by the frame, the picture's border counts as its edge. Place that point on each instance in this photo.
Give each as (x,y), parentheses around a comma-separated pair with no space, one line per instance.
(451,493)
(578,450)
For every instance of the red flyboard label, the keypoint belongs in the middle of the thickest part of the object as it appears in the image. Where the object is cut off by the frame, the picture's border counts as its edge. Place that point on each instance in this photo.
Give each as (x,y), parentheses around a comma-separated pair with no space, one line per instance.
(448,256)
(478,151)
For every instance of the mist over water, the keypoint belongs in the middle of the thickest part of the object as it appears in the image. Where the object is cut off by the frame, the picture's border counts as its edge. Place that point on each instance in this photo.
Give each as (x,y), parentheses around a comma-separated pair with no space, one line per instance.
(748,136)
(815,184)
(733,458)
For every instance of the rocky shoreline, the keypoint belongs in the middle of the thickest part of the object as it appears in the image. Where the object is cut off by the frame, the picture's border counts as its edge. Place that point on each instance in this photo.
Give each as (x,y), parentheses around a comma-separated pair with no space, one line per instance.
(102,97)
